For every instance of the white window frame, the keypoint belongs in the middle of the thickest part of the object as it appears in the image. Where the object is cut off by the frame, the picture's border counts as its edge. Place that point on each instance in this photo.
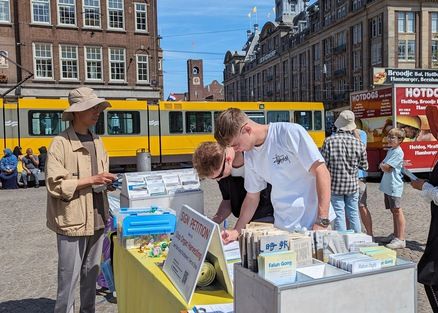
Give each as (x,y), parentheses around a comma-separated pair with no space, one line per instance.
(58,6)
(108,9)
(406,49)
(111,61)
(32,12)
(35,60)
(99,14)
(8,6)
(145,16)
(142,81)
(61,60)
(94,60)
(405,18)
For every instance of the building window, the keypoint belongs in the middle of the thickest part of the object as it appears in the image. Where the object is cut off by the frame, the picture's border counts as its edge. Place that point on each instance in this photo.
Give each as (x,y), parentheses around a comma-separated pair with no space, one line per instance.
(142,68)
(357,4)
(376,53)
(406,22)
(41,11)
(45,123)
(42,53)
(93,63)
(115,14)
(341,38)
(406,50)
(175,122)
(4,11)
(434,22)
(357,33)
(69,62)
(92,13)
(357,59)
(117,64)
(316,52)
(123,123)
(357,83)
(376,26)
(434,50)
(66,12)
(141,17)
(3,59)
(198,122)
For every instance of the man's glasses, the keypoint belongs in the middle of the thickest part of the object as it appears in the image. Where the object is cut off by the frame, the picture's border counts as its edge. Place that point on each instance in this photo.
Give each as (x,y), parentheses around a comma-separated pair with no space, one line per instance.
(223,168)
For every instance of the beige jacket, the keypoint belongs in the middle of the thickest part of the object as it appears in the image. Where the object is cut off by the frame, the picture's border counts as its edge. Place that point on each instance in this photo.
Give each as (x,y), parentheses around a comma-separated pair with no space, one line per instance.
(70,211)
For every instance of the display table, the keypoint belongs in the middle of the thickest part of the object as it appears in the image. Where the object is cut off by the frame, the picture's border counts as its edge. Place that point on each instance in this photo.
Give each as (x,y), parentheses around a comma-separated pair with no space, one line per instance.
(142,286)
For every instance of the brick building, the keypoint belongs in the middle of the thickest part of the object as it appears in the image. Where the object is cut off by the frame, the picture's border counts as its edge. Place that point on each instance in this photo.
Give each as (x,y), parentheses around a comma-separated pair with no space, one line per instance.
(324,51)
(111,46)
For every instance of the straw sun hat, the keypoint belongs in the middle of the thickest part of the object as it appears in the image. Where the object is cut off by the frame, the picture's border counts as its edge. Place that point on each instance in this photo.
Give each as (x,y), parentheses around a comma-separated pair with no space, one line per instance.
(82,99)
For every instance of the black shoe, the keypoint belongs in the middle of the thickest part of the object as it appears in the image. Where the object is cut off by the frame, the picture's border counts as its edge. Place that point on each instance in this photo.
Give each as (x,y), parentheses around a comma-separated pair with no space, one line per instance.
(36,186)
(25,186)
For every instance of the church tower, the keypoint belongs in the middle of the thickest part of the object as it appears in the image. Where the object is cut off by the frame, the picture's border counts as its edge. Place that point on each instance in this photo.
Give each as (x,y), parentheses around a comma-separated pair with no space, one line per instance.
(195,80)
(286,10)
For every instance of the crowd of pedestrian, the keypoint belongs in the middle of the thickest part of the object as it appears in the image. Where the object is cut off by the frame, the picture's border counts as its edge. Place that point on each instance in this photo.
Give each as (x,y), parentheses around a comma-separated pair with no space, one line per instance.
(18,169)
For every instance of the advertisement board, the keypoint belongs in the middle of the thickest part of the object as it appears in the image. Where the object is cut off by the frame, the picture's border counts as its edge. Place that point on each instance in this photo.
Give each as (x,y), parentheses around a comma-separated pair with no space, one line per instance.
(402,106)
(389,76)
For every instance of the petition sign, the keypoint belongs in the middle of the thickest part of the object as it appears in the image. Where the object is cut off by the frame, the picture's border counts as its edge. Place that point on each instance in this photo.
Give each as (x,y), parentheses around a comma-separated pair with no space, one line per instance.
(388,76)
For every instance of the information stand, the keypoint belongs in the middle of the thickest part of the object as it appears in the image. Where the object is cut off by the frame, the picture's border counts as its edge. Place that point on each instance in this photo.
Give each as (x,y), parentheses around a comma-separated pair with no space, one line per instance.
(167,189)
(391,289)
(142,286)
(196,239)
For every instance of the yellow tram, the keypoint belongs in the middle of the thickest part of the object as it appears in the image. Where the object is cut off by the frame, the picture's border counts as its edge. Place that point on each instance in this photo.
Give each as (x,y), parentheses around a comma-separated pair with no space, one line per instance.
(170,130)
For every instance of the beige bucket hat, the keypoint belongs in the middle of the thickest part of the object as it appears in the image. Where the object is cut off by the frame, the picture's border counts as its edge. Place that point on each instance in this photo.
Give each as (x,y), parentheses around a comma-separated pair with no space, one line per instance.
(82,99)
(345,121)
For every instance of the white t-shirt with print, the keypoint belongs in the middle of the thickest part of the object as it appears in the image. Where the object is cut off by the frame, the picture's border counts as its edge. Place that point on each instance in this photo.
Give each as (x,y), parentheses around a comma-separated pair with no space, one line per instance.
(284,160)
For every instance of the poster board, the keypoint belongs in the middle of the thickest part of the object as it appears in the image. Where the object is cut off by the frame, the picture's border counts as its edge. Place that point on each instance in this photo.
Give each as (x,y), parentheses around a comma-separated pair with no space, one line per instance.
(196,238)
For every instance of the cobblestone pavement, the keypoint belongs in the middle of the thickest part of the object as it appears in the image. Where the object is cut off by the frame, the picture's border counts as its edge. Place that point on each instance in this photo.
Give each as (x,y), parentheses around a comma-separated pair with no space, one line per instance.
(28,259)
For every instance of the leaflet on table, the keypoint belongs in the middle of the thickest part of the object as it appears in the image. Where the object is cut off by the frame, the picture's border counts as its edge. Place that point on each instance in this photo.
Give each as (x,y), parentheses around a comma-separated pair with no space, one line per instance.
(278,267)
(214,308)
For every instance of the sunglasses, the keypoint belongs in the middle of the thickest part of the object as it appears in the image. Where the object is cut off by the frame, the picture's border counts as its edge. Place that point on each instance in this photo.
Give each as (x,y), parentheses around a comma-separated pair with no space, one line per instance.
(223,168)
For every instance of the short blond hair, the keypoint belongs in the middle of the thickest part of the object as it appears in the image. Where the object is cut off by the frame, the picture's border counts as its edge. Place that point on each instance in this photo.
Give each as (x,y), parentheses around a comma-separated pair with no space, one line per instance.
(397,132)
(207,158)
(228,125)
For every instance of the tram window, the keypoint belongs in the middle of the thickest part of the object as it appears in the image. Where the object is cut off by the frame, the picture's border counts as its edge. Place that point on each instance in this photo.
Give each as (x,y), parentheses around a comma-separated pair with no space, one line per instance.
(123,123)
(198,122)
(99,128)
(175,122)
(216,114)
(46,123)
(258,117)
(304,118)
(317,120)
(278,116)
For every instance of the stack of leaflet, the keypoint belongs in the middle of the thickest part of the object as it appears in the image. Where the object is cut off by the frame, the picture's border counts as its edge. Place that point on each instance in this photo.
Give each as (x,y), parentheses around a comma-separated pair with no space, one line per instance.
(262,238)
(145,227)
(355,262)
(232,255)
(386,256)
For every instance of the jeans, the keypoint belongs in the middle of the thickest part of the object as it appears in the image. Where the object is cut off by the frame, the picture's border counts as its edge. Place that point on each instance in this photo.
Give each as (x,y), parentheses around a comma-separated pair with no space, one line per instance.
(346,205)
(34,172)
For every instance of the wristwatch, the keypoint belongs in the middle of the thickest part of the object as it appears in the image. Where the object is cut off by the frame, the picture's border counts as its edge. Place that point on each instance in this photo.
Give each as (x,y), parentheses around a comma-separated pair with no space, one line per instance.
(322,221)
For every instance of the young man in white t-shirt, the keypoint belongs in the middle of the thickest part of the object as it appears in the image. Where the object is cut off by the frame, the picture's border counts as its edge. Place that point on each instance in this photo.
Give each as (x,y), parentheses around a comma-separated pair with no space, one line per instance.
(284,155)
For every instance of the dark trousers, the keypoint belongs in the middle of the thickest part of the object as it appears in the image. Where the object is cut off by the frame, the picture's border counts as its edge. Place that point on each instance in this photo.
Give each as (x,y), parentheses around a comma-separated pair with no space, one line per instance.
(432,296)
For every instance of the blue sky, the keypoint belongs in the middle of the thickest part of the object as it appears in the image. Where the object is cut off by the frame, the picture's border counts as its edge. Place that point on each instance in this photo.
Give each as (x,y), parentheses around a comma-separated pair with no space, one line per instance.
(181,17)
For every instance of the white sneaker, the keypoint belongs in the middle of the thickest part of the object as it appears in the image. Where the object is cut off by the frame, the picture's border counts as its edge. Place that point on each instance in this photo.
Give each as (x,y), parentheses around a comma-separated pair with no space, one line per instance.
(388,238)
(396,244)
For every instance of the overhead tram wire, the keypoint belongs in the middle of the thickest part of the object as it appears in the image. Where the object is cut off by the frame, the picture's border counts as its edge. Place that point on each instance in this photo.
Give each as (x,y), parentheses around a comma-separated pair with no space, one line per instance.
(204,33)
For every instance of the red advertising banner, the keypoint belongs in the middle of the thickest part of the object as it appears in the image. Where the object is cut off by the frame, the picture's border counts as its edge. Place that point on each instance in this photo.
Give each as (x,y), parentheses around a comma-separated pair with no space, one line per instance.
(373,103)
(420,146)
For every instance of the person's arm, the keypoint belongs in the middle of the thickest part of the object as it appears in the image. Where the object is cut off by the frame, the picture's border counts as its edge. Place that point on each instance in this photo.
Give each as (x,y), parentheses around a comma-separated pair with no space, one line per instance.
(223,211)
(363,163)
(35,160)
(385,167)
(24,166)
(427,190)
(323,187)
(247,211)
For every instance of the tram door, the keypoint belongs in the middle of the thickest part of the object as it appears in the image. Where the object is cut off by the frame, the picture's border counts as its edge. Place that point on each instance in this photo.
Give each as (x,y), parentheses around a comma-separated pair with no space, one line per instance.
(10,131)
